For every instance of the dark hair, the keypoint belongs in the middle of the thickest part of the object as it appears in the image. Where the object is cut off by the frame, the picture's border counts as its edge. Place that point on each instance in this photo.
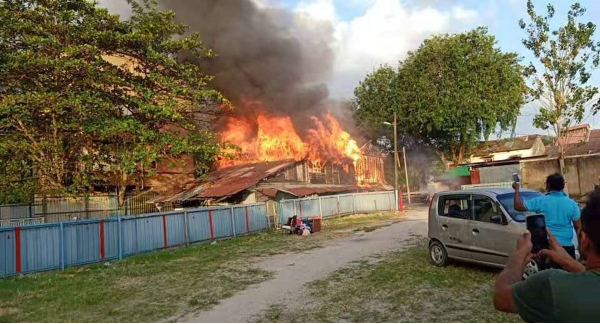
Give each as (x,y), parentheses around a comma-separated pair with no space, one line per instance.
(555,182)
(590,219)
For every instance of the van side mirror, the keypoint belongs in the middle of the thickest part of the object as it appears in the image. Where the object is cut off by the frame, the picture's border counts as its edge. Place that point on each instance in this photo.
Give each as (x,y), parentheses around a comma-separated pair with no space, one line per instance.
(497,219)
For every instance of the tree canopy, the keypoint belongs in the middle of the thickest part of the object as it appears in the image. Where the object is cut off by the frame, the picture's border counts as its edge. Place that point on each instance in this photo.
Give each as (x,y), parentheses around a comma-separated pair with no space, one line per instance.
(566,57)
(86,97)
(450,93)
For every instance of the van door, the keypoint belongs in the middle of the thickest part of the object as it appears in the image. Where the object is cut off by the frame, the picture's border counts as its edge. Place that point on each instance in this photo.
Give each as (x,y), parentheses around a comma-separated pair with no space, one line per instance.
(493,240)
(454,213)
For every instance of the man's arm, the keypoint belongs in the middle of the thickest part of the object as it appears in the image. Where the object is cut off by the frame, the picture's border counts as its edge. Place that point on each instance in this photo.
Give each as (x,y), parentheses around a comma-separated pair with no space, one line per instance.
(519,206)
(512,273)
(577,225)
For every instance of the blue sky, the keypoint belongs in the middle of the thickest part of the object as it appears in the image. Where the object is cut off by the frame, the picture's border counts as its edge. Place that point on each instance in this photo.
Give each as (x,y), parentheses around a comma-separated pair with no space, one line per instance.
(425,17)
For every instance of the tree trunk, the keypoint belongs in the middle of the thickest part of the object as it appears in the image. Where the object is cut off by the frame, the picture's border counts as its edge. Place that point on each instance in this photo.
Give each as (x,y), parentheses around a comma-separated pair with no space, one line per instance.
(122,188)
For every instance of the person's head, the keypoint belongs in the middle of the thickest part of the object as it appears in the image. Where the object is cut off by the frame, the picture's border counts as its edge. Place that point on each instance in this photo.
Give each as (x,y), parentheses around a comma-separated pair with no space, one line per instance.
(555,182)
(589,234)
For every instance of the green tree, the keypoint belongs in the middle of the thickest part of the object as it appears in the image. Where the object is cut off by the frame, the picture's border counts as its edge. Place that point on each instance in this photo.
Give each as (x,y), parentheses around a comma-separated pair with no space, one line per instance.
(90,97)
(566,57)
(450,93)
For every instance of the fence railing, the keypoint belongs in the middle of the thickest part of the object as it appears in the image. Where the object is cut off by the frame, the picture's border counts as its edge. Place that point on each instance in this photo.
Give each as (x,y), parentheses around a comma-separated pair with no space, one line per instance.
(33,248)
(64,209)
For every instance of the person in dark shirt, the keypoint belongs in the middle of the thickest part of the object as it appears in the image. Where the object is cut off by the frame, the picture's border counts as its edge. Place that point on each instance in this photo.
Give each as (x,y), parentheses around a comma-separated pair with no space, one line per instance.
(556,295)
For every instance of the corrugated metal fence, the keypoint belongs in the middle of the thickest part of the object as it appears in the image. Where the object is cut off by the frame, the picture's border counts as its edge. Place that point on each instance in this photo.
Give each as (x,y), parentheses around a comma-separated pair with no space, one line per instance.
(337,205)
(50,246)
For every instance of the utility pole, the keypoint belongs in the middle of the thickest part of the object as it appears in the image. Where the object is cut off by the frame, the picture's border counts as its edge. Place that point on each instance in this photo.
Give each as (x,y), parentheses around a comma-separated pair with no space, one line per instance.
(406,174)
(395,158)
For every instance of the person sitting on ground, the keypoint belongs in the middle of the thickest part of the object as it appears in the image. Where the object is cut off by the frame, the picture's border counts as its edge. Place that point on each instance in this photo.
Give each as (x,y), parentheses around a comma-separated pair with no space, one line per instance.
(556,295)
(561,212)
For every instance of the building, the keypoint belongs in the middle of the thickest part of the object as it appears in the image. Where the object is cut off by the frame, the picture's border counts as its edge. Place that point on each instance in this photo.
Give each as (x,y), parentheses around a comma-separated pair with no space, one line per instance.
(268,181)
(506,149)
(578,140)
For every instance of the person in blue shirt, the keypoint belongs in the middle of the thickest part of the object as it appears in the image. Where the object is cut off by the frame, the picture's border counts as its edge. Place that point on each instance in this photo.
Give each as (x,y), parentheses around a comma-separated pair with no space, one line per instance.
(562,213)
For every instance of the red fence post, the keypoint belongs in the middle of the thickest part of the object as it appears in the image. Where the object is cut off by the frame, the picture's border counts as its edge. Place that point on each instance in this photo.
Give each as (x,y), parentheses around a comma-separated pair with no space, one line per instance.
(102,251)
(247,221)
(400,201)
(165,241)
(212,232)
(18,249)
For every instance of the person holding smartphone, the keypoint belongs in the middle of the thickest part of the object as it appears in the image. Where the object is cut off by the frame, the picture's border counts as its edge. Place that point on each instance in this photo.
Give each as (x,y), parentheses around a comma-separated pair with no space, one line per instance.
(569,295)
(562,213)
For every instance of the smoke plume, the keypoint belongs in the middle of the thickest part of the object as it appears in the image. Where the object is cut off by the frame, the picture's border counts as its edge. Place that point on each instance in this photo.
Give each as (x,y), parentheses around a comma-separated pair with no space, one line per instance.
(264,53)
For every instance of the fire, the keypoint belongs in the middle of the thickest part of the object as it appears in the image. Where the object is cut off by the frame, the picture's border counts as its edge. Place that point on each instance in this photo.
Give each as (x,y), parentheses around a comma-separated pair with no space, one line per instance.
(264,137)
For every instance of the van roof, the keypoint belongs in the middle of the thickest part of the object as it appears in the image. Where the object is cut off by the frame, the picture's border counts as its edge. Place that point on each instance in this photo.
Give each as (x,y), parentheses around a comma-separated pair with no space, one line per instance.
(495,191)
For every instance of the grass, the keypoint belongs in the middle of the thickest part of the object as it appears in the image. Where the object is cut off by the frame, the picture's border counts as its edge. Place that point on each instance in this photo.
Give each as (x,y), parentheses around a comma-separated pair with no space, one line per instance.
(160,285)
(401,287)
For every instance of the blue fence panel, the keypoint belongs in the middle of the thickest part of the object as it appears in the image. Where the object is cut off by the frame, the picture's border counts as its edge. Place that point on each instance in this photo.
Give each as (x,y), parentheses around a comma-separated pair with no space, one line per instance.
(309,208)
(364,203)
(287,208)
(40,248)
(199,226)
(175,229)
(257,217)
(111,238)
(222,222)
(142,234)
(7,253)
(239,218)
(81,243)
(346,205)
(329,206)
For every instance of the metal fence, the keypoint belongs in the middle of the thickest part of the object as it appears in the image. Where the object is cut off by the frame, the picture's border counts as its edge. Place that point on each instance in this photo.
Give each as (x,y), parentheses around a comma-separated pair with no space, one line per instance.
(487,185)
(62,209)
(337,205)
(33,248)
(50,246)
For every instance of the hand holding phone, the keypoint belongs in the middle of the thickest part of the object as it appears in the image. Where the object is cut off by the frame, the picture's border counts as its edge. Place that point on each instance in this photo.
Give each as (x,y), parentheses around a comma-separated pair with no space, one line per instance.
(516,178)
(536,224)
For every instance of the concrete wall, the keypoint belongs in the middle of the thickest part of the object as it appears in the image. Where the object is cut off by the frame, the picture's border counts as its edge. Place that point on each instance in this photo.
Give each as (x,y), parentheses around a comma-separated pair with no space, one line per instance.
(581,175)
(501,173)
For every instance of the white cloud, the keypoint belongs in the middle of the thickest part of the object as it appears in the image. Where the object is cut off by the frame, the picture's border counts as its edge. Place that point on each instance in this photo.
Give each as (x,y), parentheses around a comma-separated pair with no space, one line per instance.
(463,14)
(386,31)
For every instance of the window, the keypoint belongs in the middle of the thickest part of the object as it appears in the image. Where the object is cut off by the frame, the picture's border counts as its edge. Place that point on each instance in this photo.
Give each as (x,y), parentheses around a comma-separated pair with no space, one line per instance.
(484,208)
(455,206)
(508,201)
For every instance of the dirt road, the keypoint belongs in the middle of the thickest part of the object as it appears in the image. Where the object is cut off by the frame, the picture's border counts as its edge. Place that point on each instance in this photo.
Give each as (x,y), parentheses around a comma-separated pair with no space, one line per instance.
(295,270)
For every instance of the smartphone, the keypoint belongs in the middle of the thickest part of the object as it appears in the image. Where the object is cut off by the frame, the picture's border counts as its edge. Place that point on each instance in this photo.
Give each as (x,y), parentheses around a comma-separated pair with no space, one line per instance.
(536,224)
(516,178)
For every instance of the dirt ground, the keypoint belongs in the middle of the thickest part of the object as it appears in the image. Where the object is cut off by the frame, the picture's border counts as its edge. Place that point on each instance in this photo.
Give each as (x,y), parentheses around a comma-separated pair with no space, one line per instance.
(294,270)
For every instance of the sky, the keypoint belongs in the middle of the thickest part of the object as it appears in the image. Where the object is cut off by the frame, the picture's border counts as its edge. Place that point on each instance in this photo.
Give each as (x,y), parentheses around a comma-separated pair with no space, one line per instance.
(368,33)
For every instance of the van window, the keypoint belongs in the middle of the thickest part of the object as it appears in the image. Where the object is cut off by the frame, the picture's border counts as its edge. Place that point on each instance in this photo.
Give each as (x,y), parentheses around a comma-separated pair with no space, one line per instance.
(484,208)
(455,206)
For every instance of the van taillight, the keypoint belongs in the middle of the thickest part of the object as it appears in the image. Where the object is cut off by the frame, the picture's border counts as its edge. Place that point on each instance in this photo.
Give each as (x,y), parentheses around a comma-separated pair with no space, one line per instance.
(431,202)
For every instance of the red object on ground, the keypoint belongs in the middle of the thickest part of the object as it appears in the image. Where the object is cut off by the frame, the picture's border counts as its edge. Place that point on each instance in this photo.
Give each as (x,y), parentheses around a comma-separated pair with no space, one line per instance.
(165,243)
(247,221)
(400,201)
(212,231)
(102,251)
(317,224)
(18,249)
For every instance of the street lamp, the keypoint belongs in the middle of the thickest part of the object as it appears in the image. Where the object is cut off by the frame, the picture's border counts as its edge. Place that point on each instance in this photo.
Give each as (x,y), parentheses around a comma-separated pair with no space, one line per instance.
(395,124)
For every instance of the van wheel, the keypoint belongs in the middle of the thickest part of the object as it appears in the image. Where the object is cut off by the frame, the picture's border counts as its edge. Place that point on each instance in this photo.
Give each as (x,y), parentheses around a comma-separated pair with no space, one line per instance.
(531,268)
(438,254)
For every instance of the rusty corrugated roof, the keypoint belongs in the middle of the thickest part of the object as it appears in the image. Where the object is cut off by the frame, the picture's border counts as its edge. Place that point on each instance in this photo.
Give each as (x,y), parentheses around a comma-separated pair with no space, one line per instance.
(309,190)
(228,181)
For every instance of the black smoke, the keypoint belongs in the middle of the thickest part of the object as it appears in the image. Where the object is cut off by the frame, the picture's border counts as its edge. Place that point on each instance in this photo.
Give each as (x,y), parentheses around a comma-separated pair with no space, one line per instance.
(263,54)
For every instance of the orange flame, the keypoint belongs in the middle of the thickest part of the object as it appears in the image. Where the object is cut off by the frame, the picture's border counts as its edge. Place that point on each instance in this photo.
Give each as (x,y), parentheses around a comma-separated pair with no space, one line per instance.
(264,137)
